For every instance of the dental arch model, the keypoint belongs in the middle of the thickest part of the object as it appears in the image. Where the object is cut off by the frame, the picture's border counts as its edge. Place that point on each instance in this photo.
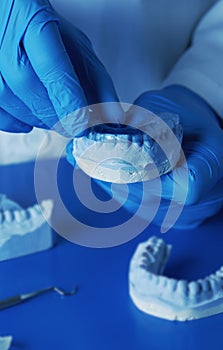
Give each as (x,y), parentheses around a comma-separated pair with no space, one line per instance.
(169,298)
(16,221)
(126,154)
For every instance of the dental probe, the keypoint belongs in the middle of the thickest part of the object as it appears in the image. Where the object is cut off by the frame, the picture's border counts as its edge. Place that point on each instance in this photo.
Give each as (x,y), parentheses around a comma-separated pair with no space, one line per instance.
(18,299)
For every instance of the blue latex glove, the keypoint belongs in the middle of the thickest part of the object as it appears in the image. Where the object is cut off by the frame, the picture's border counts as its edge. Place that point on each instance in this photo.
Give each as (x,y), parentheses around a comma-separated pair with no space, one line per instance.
(202,145)
(48,69)
(202,141)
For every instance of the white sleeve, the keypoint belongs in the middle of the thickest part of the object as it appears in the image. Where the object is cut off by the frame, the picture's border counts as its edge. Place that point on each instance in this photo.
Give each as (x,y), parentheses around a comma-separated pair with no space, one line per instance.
(200,68)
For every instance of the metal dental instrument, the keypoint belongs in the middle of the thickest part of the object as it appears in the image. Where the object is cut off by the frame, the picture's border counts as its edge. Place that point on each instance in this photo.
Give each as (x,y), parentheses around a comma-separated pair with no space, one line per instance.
(18,299)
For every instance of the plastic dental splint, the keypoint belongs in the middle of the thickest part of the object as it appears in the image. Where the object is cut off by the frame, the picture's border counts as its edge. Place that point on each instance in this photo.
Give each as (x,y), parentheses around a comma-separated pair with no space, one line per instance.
(168,298)
(126,154)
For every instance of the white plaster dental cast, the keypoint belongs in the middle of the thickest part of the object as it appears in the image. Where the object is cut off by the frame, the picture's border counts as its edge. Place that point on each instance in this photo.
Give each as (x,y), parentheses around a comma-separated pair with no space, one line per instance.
(44,143)
(169,298)
(125,154)
(5,342)
(24,231)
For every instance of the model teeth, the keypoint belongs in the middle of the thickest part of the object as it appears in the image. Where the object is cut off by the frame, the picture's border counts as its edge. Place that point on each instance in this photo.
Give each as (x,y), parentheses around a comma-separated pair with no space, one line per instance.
(138,139)
(205,285)
(20,222)
(18,217)
(171,285)
(34,211)
(164,281)
(182,288)
(91,136)
(170,298)
(97,137)
(149,144)
(194,288)
(8,216)
(24,215)
(148,258)
(219,273)
(124,137)
(116,144)
(214,282)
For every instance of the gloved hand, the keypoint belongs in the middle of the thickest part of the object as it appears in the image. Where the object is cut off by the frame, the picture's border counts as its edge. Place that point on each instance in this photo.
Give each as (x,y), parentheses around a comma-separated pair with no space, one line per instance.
(202,145)
(202,140)
(47,71)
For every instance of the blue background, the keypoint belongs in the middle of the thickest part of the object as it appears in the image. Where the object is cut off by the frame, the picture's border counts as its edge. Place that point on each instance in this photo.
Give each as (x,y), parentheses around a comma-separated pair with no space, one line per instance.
(101,315)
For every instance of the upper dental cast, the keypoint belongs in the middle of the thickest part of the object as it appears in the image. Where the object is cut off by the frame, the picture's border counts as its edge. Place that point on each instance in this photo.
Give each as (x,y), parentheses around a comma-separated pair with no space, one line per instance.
(126,154)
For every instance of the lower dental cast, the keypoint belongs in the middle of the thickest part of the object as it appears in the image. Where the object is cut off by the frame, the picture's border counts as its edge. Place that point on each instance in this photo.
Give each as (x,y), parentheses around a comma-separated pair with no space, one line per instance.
(169,298)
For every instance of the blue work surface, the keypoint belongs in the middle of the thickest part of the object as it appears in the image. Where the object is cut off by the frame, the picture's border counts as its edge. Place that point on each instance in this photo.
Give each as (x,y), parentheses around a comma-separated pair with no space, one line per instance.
(101,315)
